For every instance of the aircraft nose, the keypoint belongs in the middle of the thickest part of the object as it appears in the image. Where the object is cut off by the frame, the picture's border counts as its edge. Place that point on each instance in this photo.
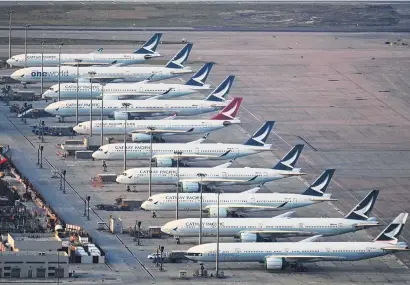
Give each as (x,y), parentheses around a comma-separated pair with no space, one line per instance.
(51,109)
(77,129)
(168,228)
(10,62)
(119,179)
(96,154)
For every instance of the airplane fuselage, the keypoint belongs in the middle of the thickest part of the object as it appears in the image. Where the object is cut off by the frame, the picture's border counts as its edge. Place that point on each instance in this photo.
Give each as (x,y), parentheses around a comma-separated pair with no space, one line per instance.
(287,227)
(122,73)
(191,201)
(214,151)
(143,108)
(51,59)
(186,127)
(258,252)
(120,90)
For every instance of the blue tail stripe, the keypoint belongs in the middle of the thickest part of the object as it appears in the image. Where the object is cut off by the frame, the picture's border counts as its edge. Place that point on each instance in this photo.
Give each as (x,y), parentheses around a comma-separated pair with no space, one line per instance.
(179,59)
(151,45)
(261,135)
(289,160)
(221,92)
(200,77)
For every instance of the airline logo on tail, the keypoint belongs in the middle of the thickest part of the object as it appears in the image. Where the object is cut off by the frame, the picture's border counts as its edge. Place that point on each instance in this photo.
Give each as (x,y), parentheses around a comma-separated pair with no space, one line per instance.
(201,75)
(318,188)
(363,209)
(178,60)
(392,231)
(289,160)
(230,110)
(151,45)
(221,92)
(261,135)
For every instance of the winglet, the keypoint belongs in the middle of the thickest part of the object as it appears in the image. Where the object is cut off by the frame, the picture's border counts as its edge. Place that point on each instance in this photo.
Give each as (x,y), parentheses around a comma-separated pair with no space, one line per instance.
(151,45)
(261,135)
(199,78)
(221,92)
(177,62)
(393,230)
(362,210)
(230,110)
(225,165)
(198,141)
(319,186)
(289,160)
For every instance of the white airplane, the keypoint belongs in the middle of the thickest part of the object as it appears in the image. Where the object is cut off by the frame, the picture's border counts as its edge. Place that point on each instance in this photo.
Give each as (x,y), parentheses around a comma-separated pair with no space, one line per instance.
(164,154)
(282,226)
(139,90)
(141,128)
(238,204)
(278,256)
(191,178)
(144,108)
(147,51)
(115,73)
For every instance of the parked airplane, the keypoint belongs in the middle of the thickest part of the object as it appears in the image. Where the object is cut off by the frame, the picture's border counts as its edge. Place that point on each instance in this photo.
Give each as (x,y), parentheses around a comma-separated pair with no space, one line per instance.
(282,226)
(143,89)
(141,128)
(164,154)
(147,51)
(144,108)
(190,178)
(237,204)
(173,68)
(278,256)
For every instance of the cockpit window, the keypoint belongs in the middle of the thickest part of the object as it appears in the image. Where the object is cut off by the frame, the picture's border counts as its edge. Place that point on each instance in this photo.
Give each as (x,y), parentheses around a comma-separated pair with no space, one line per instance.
(51,88)
(150,200)
(80,125)
(124,173)
(100,149)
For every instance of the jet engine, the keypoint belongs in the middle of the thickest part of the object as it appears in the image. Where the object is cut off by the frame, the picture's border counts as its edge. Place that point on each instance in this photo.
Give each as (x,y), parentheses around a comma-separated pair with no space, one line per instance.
(189,187)
(163,162)
(275,263)
(251,237)
(213,212)
(140,137)
(120,115)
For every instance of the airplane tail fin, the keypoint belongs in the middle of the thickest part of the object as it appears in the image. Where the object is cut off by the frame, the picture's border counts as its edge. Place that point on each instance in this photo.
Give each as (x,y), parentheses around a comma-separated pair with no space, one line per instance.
(393,230)
(230,110)
(221,92)
(318,188)
(151,45)
(179,59)
(364,207)
(199,78)
(289,160)
(261,135)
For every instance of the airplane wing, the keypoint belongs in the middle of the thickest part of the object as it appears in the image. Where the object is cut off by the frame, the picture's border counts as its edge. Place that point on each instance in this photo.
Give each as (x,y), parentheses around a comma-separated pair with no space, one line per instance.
(211,180)
(86,63)
(395,249)
(184,156)
(160,95)
(161,131)
(293,258)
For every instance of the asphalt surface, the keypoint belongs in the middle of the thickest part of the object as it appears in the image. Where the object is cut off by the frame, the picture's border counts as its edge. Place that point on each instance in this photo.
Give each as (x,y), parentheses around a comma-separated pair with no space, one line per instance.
(344,95)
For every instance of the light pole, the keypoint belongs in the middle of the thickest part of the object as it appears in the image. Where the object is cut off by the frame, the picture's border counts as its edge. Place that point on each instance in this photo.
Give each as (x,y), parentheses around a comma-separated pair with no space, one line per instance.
(91,74)
(88,209)
(59,68)
(151,130)
(201,175)
(217,243)
(125,105)
(178,153)
(78,75)
(139,230)
(25,44)
(42,65)
(64,172)
(41,156)
(10,13)
(102,84)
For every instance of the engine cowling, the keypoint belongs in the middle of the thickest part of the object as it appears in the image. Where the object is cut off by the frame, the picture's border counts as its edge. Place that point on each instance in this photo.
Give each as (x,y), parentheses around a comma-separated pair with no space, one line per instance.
(140,137)
(275,263)
(213,212)
(120,115)
(189,187)
(251,237)
(163,162)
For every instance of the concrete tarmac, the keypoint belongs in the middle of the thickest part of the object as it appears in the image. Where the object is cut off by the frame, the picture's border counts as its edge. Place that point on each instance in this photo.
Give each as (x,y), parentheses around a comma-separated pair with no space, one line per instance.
(344,95)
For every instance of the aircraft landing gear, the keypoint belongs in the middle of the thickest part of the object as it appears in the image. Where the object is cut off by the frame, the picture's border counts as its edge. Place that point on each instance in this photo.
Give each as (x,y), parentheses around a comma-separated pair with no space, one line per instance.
(60,119)
(178,240)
